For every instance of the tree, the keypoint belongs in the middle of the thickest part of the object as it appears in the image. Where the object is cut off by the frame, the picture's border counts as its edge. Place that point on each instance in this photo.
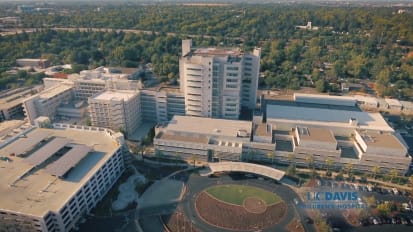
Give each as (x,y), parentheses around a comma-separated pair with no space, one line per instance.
(310,161)
(291,170)
(375,170)
(271,155)
(291,157)
(193,159)
(393,174)
(349,168)
(371,200)
(384,208)
(328,163)
(321,85)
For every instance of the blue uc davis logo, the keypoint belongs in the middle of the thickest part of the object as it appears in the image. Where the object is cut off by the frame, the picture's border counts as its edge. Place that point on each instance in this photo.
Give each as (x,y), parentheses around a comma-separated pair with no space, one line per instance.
(332,196)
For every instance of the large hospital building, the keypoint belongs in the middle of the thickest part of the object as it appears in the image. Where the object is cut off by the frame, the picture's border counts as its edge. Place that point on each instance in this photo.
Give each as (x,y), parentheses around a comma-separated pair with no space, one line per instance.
(218,82)
(293,133)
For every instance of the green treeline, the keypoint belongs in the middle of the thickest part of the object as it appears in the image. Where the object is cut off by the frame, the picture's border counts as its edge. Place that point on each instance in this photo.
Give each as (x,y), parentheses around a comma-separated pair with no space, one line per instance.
(351,43)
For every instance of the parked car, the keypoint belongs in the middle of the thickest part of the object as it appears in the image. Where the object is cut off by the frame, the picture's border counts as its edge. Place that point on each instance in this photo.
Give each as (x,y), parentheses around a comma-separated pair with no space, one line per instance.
(395,191)
(369,188)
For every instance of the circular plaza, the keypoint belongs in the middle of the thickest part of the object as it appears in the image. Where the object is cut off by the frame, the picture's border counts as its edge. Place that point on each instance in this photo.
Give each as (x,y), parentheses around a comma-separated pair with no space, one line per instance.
(239,207)
(221,202)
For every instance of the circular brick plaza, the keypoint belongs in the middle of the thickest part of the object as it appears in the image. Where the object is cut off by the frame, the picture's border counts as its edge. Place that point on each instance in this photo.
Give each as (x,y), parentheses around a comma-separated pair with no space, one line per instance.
(239,207)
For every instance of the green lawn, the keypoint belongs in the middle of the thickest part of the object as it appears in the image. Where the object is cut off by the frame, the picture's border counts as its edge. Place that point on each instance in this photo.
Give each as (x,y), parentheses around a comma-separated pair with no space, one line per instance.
(235,194)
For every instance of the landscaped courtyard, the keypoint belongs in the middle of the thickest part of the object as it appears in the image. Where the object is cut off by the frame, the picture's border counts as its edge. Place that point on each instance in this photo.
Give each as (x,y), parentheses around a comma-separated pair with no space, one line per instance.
(240,207)
(236,194)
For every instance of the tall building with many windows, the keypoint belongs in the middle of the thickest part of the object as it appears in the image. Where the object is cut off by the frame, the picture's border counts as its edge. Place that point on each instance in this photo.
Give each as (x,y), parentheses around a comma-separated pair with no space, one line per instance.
(218,82)
(118,110)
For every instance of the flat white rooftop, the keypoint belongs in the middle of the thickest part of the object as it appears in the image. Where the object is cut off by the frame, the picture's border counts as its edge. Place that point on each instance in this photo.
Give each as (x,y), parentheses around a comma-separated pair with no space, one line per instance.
(367,100)
(316,134)
(115,95)
(32,190)
(55,90)
(393,102)
(379,140)
(325,99)
(218,51)
(326,117)
(407,104)
(208,126)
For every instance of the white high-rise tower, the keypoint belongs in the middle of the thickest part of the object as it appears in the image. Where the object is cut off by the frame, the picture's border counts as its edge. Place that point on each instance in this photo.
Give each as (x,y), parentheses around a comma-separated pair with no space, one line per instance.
(218,82)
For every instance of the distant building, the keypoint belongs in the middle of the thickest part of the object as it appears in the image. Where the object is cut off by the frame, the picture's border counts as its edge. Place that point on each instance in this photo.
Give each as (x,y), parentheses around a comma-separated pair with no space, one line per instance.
(25,9)
(218,82)
(7,22)
(11,102)
(347,87)
(393,104)
(34,63)
(324,99)
(161,104)
(118,110)
(46,102)
(52,178)
(309,26)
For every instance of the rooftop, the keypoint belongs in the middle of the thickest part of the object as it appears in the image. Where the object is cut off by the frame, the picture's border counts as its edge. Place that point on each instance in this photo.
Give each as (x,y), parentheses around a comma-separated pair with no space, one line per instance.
(393,102)
(262,129)
(325,99)
(27,187)
(367,100)
(55,90)
(316,134)
(183,138)
(218,51)
(326,117)
(209,126)
(115,95)
(381,140)
(10,128)
(16,97)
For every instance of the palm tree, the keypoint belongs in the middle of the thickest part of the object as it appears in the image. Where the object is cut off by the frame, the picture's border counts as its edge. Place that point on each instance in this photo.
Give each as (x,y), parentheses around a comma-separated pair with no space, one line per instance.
(375,170)
(291,158)
(349,168)
(328,164)
(310,161)
(393,174)
(193,159)
(271,156)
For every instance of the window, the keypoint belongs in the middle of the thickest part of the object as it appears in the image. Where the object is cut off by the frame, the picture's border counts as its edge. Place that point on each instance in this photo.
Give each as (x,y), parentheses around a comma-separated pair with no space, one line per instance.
(232,80)
(232,68)
(194,69)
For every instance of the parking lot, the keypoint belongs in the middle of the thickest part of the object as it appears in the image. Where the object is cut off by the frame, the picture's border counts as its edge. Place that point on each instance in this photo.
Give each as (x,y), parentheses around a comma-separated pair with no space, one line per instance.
(397,220)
